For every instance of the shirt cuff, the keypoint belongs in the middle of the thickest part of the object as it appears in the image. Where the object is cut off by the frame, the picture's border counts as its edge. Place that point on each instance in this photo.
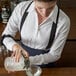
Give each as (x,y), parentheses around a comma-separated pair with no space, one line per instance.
(9,42)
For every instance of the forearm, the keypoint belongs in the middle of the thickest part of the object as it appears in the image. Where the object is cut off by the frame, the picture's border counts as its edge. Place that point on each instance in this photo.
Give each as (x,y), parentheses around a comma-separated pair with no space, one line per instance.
(10,30)
(9,42)
(43,59)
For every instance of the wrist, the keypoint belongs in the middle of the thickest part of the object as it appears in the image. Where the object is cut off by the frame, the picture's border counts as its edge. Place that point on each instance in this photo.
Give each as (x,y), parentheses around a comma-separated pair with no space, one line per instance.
(15,46)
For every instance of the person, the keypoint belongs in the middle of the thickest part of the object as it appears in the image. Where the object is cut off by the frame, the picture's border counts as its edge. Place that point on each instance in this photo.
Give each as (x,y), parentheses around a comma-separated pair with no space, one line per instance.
(36,31)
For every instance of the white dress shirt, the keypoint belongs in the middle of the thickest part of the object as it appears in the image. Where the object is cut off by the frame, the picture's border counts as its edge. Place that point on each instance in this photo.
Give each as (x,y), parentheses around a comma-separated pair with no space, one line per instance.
(37,36)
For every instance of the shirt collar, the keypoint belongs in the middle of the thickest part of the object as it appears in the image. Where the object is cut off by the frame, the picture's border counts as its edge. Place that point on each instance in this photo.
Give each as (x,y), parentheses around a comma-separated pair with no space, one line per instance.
(53,14)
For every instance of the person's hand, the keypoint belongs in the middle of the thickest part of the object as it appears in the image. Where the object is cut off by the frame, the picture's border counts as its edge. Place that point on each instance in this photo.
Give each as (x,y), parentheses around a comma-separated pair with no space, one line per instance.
(17,50)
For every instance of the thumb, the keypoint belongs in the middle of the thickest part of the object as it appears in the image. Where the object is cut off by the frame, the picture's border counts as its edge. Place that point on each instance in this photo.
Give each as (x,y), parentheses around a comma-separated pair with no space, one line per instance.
(25,53)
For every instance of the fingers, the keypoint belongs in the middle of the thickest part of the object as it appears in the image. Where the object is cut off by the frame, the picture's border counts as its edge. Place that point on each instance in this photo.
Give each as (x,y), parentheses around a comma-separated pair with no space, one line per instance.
(25,53)
(17,51)
(17,55)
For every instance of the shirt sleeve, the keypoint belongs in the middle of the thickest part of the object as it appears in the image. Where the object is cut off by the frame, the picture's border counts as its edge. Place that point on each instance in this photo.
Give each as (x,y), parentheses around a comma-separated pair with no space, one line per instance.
(11,28)
(57,47)
(13,24)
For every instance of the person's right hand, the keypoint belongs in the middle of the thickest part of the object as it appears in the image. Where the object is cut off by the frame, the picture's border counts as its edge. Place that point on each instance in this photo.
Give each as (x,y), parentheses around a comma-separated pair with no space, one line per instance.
(17,50)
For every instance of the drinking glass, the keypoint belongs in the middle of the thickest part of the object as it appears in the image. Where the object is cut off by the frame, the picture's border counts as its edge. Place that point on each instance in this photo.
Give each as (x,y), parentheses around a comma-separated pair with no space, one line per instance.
(11,65)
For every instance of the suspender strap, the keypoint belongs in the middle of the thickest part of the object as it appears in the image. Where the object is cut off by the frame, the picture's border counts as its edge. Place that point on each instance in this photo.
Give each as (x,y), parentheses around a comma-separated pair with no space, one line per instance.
(22,21)
(53,31)
(57,16)
(24,16)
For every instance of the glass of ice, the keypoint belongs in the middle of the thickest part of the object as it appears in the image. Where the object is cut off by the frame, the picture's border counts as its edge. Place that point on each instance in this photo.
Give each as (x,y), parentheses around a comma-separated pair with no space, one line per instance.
(11,65)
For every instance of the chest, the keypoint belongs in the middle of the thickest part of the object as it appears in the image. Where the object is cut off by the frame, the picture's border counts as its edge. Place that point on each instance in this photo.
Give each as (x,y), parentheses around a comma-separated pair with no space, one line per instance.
(41,19)
(31,28)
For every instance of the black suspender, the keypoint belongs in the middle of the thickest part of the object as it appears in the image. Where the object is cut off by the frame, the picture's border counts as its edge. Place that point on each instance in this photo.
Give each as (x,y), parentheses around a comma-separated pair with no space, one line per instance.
(53,31)
(24,16)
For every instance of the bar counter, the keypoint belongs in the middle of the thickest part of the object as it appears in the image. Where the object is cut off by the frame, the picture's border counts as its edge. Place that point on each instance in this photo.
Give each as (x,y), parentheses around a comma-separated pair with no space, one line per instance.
(62,71)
